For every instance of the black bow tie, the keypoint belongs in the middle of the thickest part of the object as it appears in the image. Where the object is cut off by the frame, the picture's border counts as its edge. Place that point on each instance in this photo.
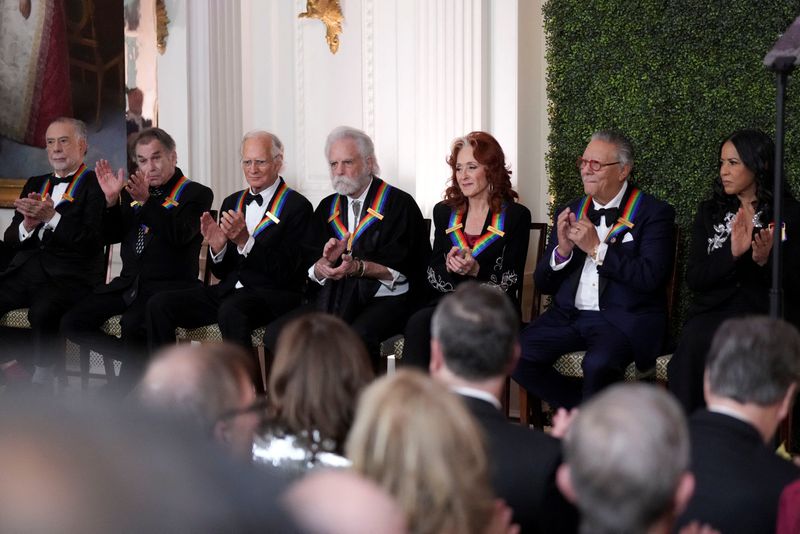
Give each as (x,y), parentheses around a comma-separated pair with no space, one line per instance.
(610,213)
(250,197)
(156,192)
(55,180)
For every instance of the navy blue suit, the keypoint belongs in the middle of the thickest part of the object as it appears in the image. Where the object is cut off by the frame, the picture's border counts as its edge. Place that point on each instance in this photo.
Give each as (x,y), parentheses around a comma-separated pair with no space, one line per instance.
(631,322)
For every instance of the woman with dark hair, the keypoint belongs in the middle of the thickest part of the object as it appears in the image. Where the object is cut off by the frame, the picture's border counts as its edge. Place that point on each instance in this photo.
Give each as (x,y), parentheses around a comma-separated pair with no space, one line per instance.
(481,233)
(320,368)
(729,269)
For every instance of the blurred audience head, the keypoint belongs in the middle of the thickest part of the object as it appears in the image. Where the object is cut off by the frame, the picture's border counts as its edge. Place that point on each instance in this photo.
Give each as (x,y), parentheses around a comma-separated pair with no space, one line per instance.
(754,362)
(75,468)
(209,385)
(320,368)
(626,461)
(474,334)
(418,441)
(343,502)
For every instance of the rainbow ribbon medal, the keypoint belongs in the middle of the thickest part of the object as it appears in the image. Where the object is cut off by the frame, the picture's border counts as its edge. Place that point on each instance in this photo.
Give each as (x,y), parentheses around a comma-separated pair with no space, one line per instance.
(493,232)
(173,198)
(623,221)
(69,193)
(374,213)
(272,216)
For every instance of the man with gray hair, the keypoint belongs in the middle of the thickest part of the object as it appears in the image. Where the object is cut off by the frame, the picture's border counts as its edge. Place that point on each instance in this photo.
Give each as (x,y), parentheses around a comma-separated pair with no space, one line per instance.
(255,251)
(751,377)
(627,461)
(371,244)
(607,265)
(55,238)
(473,349)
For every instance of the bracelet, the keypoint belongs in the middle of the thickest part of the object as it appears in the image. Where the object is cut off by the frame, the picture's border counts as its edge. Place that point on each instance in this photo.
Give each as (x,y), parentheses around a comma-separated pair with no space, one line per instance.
(559,257)
(362,268)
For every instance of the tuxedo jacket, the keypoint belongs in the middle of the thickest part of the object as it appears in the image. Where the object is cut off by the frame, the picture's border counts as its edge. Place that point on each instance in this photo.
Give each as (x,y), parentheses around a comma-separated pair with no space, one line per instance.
(721,283)
(73,252)
(738,479)
(523,465)
(399,241)
(172,240)
(632,278)
(276,259)
(502,263)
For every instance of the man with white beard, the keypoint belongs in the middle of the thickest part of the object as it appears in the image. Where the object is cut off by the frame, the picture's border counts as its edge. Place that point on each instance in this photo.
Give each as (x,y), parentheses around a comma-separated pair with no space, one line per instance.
(372,244)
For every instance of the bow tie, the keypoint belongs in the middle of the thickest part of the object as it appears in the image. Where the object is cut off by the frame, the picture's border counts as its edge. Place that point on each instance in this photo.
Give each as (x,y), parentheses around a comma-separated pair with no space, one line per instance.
(249,197)
(55,180)
(156,192)
(610,213)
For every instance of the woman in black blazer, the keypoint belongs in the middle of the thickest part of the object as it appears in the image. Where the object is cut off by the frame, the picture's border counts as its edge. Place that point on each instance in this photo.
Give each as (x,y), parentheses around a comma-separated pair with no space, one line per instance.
(730,261)
(481,233)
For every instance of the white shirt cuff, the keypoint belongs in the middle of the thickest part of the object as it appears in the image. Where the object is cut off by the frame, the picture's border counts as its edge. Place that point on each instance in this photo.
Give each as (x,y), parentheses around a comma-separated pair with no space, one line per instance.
(216,258)
(313,276)
(245,250)
(558,266)
(397,278)
(53,222)
(24,234)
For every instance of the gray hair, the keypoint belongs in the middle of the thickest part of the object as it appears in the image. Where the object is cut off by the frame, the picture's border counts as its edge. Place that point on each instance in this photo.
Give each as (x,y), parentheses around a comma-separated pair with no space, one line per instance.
(364,143)
(79,125)
(275,142)
(150,134)
(477,328)
(624,146)
(626,451)
(754,360)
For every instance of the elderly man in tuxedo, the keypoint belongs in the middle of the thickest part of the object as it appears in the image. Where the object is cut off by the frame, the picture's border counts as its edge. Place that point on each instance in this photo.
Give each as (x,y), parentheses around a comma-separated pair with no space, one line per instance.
(607,265)
(256,253)
(56,241)
(155,215)
(370,245)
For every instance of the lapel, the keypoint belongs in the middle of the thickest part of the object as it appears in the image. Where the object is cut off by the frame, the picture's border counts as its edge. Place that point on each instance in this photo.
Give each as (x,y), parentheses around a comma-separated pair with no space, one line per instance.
(602,280)
(373,188)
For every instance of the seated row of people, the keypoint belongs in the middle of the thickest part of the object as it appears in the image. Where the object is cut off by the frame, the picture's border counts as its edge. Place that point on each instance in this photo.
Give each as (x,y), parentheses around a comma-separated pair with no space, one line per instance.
(364,254)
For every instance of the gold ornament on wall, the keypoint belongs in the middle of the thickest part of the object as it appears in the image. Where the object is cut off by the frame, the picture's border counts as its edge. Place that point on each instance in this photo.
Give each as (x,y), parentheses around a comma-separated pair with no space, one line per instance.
(162,23)
(330,13)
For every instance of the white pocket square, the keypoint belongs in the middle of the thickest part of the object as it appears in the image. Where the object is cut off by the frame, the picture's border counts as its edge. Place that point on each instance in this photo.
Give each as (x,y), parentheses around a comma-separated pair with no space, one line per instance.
(628,237)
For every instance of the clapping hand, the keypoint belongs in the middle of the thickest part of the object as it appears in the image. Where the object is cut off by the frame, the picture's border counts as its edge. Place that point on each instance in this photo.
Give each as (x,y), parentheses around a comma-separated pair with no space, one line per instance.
(762,245)
(461,261)
(35,209)
(212,233)
(741,232)
(138,188)
(111,184)
(235,228)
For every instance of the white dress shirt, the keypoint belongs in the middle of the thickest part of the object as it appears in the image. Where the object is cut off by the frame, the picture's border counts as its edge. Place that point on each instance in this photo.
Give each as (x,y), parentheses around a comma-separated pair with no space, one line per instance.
(57,193)
(587,296)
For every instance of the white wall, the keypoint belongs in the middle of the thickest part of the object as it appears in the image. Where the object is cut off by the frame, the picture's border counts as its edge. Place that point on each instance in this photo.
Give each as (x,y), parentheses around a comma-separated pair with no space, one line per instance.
(413,74)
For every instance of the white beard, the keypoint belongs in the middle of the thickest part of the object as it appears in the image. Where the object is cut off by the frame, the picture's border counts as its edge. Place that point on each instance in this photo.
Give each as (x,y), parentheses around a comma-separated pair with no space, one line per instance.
(345,186)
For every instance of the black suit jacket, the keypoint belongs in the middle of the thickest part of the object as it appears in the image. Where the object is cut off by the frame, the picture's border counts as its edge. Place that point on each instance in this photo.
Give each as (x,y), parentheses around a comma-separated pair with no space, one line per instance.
(523,464)
(502,263)
(738,478)
(172,242)
(632,278)
(73,253)
(276,260)
(398,241)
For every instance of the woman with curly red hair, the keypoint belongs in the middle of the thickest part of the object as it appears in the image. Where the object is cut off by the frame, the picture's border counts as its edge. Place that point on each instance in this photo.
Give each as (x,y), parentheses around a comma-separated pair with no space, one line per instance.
(481,233)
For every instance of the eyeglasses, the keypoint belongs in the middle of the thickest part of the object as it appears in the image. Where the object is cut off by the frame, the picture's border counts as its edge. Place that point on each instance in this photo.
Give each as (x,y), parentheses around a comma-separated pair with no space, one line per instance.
(593,164)
(260,163)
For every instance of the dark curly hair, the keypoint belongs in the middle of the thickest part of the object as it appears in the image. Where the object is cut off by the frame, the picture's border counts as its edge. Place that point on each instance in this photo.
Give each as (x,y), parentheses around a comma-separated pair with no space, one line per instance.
(757,153)
(487,152)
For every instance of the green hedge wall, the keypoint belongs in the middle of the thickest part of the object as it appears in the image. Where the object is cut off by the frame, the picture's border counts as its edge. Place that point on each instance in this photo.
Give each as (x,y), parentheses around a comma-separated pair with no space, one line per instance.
(676,77)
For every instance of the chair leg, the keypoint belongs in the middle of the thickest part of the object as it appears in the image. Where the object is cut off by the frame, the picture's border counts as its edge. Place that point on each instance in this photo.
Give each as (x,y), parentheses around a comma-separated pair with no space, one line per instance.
(85,366)
(108,363)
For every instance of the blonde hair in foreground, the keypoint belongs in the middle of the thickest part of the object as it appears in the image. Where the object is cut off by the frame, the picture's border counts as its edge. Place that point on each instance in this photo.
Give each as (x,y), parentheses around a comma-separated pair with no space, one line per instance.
(418,441)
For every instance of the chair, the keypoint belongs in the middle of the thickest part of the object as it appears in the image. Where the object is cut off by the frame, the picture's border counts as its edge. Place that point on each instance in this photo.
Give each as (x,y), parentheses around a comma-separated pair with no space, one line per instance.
(570,364)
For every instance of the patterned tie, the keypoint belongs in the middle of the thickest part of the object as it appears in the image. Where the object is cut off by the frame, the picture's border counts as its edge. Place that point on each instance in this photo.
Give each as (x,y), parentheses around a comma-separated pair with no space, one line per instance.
(356,212)
(140,239)
(156,192)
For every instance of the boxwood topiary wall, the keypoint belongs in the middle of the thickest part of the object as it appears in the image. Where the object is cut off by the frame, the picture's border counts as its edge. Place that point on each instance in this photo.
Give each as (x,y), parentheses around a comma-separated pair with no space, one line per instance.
(676,77)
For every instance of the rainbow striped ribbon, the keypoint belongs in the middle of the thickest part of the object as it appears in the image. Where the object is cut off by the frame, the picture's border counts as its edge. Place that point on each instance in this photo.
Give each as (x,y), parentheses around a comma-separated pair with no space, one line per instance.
(493,232)
(177,191)
(623,221)
(69,193)
(374,213)
(272,216)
